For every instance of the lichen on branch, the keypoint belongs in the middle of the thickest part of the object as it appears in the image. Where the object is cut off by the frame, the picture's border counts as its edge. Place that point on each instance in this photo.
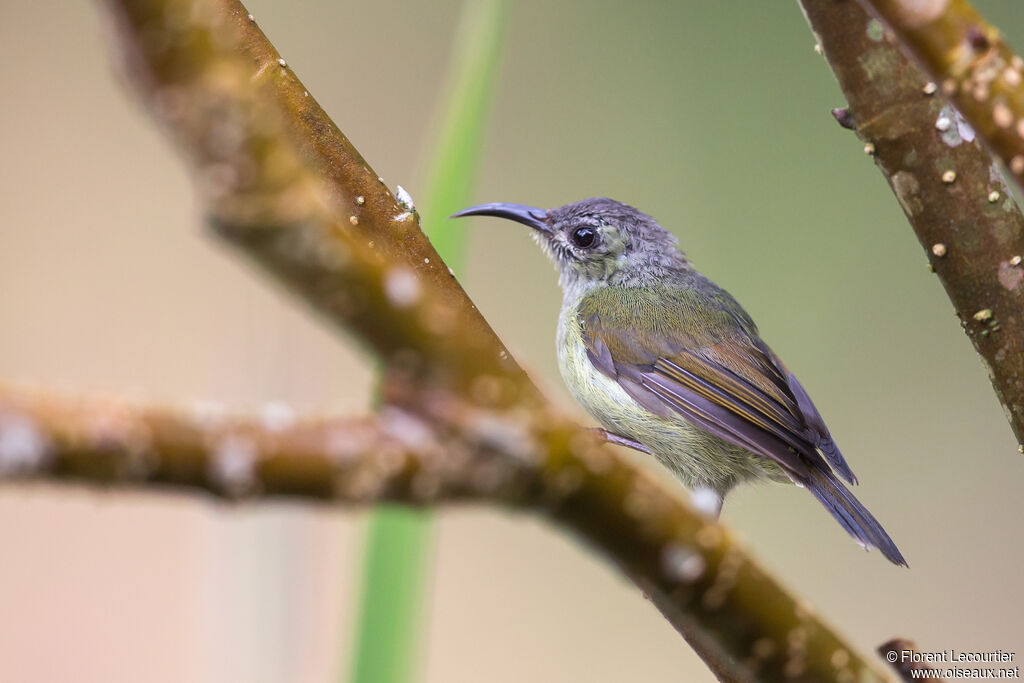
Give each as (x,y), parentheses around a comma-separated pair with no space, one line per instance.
(281,182)
(461,421)
(950,188)
(390,456)
(970,63)
(738,617)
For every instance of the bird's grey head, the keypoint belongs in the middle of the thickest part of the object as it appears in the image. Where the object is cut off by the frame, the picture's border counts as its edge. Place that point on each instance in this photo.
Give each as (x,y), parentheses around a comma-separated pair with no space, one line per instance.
(595,240)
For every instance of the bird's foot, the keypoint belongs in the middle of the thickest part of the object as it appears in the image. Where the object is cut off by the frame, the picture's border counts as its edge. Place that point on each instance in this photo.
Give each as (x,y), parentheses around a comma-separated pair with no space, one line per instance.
(620,440)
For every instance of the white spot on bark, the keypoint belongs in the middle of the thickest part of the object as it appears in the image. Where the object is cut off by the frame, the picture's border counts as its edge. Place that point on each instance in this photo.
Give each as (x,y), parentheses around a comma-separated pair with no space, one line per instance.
(233,465)
(404,198)
(1010,275)
(1002,116)
(22,446)
(209,413)
(277,416)
(682,563)
(407,429)
(401,287)
(506,436)
(953,135)
(916,13)
(344,443)
(964,128)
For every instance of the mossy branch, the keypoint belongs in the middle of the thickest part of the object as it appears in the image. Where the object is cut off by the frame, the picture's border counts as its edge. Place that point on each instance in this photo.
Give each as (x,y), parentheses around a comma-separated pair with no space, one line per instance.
(280,182)
(107,441)
(739,618)
(971,64)
(951,191)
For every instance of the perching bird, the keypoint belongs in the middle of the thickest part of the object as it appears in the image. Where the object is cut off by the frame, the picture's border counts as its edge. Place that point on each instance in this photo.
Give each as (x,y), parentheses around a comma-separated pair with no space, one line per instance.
(670,363)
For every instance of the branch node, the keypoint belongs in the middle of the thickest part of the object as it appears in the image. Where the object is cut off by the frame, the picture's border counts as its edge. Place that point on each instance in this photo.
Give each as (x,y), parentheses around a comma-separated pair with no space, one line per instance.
(845,118)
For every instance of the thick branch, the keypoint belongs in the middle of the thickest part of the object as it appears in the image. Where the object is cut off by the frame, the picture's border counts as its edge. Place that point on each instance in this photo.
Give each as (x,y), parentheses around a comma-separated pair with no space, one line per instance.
(281,182)
(738,617)
(951,191)
(974,67)
(393,456)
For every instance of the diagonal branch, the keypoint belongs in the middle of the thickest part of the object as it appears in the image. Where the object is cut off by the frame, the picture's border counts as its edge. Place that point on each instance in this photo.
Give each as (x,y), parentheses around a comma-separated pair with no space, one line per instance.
(976,69)
(950,189)
(280,181)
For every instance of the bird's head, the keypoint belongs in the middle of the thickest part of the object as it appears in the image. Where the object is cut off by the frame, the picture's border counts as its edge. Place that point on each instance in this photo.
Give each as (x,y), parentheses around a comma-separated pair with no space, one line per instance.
(594,240)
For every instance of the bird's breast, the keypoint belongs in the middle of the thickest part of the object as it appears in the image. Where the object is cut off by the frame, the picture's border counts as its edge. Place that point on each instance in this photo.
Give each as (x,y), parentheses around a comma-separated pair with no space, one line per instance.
(606,401)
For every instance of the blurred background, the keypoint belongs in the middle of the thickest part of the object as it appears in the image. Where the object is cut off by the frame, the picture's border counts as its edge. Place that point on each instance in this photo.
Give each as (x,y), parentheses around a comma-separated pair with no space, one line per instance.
(713,117)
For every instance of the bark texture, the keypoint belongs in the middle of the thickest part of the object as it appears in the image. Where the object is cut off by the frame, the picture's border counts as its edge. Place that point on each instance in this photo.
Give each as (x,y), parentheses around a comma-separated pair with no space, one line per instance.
(951,190)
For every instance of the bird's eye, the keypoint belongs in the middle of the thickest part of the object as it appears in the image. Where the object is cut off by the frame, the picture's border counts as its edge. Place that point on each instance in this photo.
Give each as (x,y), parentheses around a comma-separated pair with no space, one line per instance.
(584,237)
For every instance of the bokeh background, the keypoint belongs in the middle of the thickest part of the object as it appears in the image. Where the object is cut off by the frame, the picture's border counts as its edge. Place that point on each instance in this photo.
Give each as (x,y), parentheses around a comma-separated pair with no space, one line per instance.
(713,117)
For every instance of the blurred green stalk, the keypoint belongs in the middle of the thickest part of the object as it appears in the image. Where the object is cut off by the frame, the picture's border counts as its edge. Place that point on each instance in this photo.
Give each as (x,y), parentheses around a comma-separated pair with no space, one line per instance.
(396,557)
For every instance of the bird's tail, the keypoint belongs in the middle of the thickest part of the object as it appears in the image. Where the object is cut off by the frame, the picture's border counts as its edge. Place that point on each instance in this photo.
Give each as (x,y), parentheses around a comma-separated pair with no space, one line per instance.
(851,514)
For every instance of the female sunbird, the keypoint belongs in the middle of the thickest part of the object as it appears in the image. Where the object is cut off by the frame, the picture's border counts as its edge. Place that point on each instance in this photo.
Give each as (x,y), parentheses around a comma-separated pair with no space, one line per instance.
(669,363)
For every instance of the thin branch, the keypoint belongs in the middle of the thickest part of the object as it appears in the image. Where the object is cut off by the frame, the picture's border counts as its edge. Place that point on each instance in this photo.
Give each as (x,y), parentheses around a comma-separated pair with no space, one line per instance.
(392,456)
(972,64)
(738,618)
(950,189)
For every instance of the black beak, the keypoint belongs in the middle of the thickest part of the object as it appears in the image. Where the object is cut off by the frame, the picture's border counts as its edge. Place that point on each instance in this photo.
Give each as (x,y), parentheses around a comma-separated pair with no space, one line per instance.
(527,215)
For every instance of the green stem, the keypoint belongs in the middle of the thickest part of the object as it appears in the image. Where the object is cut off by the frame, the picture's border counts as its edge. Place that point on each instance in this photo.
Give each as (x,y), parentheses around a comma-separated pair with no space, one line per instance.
(396,555)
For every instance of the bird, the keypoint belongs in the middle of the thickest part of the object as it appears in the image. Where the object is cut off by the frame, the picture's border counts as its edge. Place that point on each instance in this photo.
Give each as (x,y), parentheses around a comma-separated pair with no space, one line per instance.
(670,364)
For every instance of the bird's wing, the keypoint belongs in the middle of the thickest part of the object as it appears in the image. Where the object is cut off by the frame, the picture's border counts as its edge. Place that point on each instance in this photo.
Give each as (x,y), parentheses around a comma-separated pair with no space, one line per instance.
(702,358)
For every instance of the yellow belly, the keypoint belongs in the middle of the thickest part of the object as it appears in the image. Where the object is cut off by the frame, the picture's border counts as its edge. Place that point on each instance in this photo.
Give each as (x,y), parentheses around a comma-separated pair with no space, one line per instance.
(695,457)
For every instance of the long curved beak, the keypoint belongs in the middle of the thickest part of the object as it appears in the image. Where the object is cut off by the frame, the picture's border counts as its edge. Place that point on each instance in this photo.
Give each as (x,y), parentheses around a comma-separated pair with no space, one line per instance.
(527,215)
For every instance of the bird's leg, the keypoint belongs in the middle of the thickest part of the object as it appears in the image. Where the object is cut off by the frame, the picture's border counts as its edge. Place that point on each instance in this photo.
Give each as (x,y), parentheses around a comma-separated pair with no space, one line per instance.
(620,440)
(707,501)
